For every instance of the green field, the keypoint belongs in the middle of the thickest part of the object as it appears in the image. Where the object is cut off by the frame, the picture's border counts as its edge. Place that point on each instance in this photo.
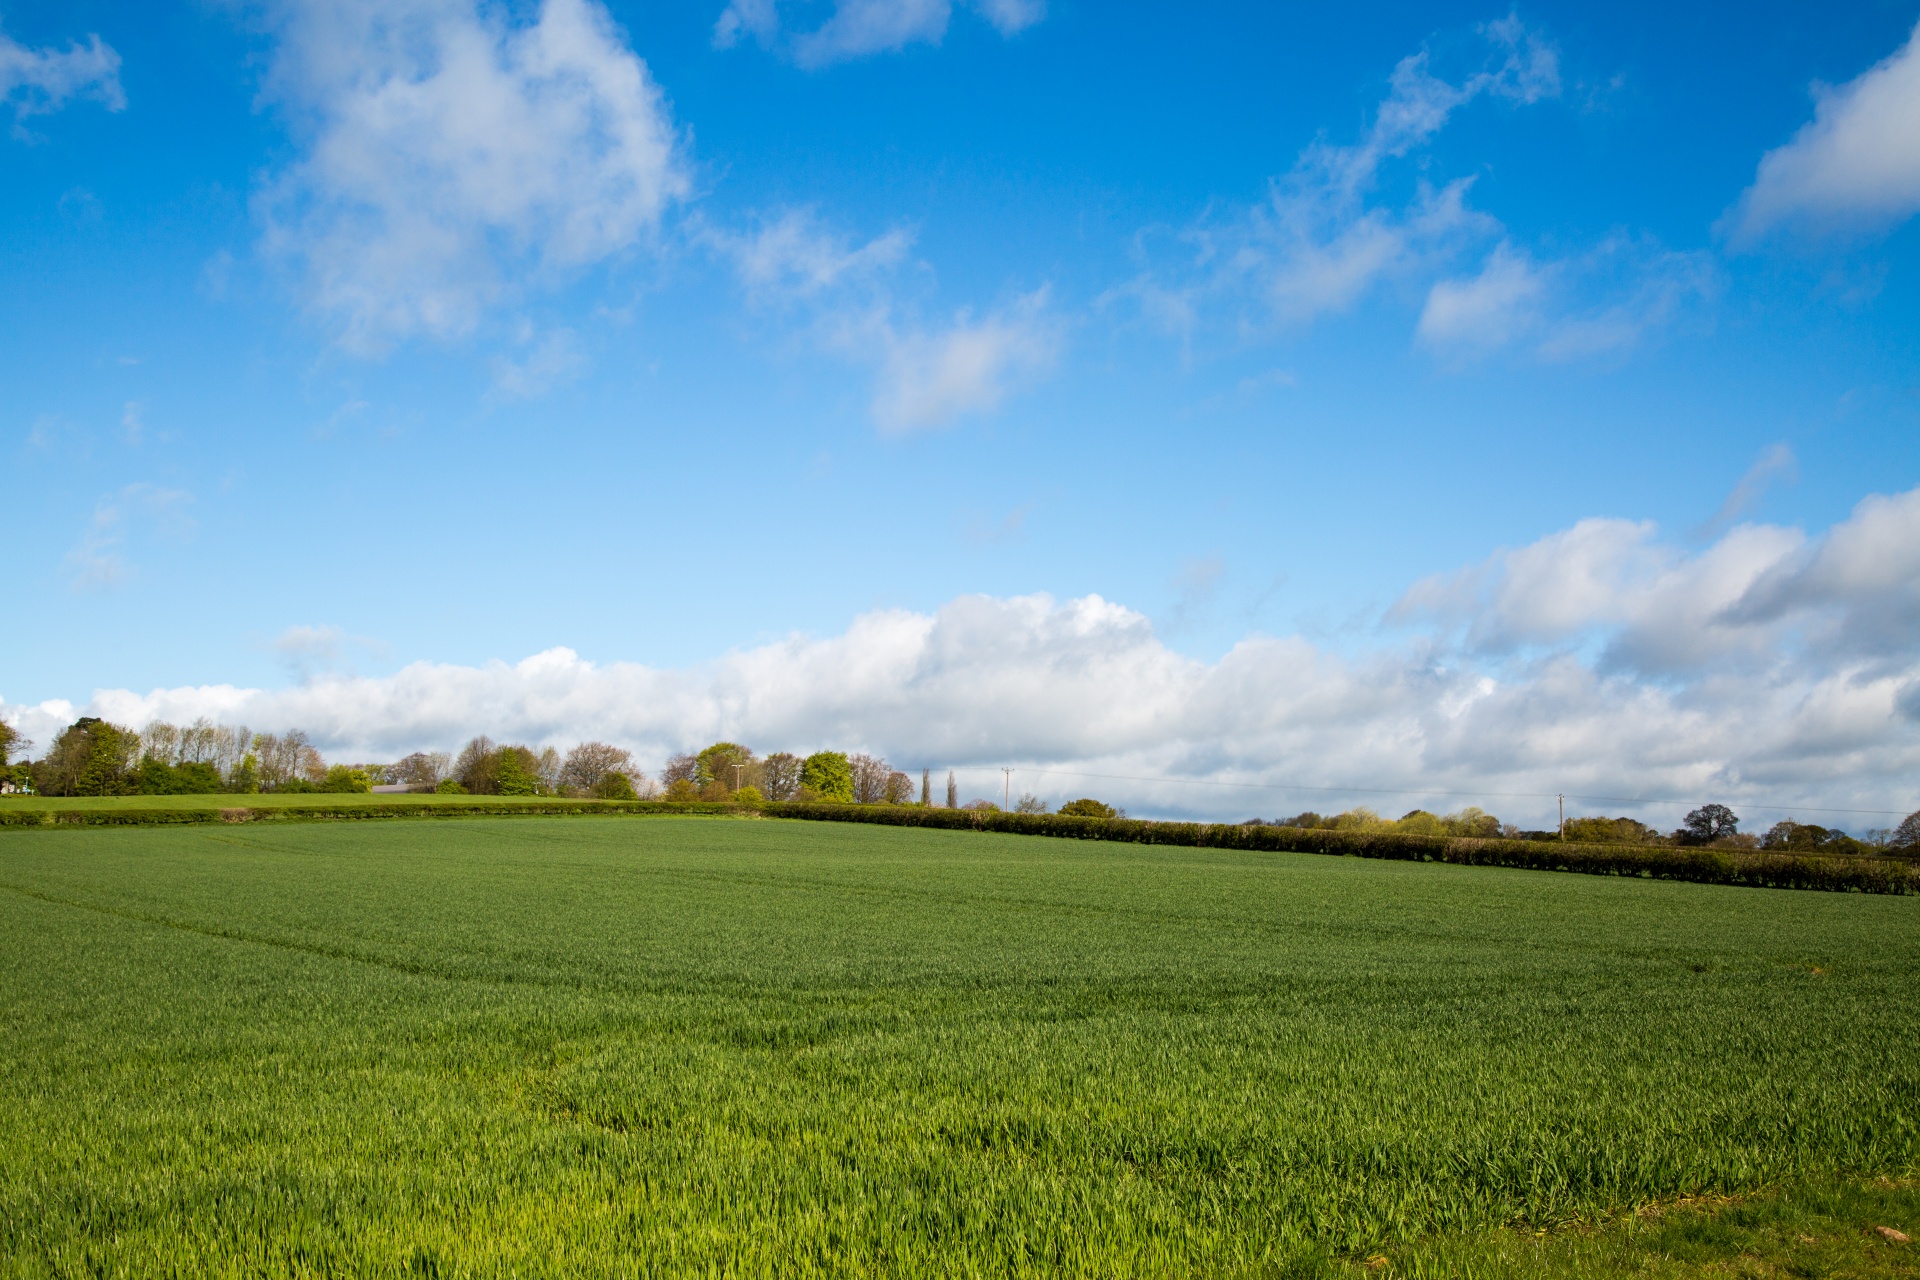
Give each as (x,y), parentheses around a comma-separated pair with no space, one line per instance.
(255,800)
(726,1046)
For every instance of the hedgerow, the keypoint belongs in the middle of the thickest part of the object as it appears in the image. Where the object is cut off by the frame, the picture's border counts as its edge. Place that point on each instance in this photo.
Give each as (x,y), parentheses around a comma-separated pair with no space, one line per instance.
(1700,865)
(346,812)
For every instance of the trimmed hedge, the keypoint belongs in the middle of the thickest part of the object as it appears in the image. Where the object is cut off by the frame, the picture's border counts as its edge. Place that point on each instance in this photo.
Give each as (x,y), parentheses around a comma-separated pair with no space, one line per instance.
(346,813)
(1703,866)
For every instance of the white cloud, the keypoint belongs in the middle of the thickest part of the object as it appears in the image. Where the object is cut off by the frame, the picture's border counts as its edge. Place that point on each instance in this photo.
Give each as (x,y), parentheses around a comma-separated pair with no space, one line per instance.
(453,158)
(1602,302)
(1856,164)
(1771,668)
(39,81)
(1487,310)
(970,366)
(858,28)
(927,374)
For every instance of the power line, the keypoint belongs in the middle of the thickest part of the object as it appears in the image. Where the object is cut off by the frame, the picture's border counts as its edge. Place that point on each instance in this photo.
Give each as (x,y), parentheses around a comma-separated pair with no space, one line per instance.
(1466,795)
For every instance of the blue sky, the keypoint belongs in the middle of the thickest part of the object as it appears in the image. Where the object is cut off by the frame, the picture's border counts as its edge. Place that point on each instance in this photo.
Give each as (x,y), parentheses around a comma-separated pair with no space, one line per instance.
(345,341)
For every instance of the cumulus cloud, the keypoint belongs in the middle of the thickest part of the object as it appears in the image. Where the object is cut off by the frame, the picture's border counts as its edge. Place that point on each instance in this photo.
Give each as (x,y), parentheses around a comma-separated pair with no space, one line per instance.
(453,157)
(39,81)
(1855,165)
(928,373)
(858,28)
(1772,668)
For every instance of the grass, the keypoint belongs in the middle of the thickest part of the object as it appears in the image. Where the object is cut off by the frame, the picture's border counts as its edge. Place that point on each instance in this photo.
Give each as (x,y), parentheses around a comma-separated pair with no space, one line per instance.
(267,800)
(731,1047)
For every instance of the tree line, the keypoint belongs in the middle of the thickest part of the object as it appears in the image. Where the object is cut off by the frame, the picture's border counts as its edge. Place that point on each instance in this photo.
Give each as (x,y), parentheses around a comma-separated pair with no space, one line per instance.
(93,757)
(1711,825)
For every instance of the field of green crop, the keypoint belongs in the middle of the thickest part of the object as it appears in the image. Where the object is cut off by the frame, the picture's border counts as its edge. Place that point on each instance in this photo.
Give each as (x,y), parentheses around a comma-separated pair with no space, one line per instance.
(735,1047)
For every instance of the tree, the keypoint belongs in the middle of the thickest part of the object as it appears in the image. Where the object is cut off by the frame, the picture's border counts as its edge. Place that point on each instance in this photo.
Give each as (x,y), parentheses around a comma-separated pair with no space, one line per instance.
(682,790)
(1610,831)
(286,759)
(681,768)
(10,742)
(899,788)
(953,791)
(421,769)
(613,785)
(749,795)
(1907,834)
(473,765)
(926,788)
(828,775)
(346,780)
(729,764)
(1030,803)
(870,774)
(1804,837)
(1708,823)
(1086,807)
(780,775)
(89,758)
(589,762)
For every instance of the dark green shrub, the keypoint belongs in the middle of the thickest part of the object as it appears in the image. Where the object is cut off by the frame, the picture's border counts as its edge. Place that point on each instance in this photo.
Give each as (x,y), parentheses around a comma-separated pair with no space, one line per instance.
(1086,807)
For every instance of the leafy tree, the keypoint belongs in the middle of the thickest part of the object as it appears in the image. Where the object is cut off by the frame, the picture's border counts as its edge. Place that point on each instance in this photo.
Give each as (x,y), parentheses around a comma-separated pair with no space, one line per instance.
(194,778)
(590,762)
(1308,820)
(926,788)
(344,779)
(899,788)
(780,775)
(953,791)
(613,785)
(682,791)
(244,780)
(89,758)
(450,787)
(1087,807)
(1805,837)
(1029,803)
(749,795)
(729,764)
(1471,821)
(828,775)
(516,772)
(10,742)
(1708,823)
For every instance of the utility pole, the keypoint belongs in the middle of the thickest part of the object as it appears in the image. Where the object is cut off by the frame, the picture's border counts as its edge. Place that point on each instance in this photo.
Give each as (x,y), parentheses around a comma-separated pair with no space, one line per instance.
(1006,795)
(736,777)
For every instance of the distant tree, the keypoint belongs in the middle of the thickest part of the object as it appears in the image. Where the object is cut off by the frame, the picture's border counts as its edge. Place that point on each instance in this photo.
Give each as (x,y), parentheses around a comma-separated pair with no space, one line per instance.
(1907,834)
(613,785)
(870,774)
(749,795)
(589,762)
(10,743)
(89,758)
(926,788)
(1358,818)
(546,767)
(729,764)
(160,743)
(1610,831)
(1308,820)
(1029,803)
(681,768)
(682,790)
(1087,807)
(953,791)
(983,806)
(829,776)
(516,772)
(244,778)
(474,765)
(345,779)
(1473,822)
(1805,837)
(1708,823)
(780,775)
(421,769)
(287,758)
(450,787)
(899,788)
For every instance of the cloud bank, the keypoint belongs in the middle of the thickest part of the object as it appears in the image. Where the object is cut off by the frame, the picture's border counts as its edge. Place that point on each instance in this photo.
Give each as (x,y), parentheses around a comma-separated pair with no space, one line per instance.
(1771,668)
(453,158)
